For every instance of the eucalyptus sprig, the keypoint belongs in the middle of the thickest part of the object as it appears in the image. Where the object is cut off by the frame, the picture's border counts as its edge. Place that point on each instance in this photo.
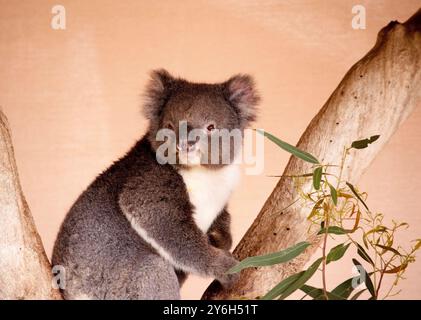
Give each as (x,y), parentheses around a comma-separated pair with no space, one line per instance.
(339,211)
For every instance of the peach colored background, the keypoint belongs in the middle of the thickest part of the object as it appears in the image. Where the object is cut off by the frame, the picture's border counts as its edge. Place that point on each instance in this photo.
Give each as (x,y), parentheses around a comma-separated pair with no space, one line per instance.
(72,97)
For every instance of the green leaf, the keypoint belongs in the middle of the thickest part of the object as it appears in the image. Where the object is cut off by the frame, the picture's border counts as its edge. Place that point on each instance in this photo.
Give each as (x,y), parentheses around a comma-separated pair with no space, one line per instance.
(318,294)
(330,296)
(357,295)
(301,280)
(303,155)
(282,286)
(367,279)
(317,177)
(311,291)
(337,252)
(271,259)
(352,188)
(344,289)
(333,194)
(333,229)
(362,144)
(363,254)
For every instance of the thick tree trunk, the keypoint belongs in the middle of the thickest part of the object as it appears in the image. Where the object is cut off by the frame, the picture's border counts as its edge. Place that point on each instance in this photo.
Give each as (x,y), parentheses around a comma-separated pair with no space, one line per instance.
(375,97)
(25,272)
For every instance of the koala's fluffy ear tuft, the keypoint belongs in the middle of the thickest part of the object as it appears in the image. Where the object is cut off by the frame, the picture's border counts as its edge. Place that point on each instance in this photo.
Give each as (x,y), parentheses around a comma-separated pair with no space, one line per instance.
(157,92)
(241,93)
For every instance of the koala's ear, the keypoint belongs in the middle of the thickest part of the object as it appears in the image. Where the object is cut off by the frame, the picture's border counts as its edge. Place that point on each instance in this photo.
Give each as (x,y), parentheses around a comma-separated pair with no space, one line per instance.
(157,92)
(240,91)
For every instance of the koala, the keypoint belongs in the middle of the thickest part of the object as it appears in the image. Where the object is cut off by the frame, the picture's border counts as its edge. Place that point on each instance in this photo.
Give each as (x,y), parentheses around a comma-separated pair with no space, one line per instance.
(142,226)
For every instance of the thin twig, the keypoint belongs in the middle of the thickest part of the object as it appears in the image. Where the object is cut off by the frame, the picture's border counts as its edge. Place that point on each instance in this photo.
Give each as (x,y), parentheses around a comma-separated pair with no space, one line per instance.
(324,256)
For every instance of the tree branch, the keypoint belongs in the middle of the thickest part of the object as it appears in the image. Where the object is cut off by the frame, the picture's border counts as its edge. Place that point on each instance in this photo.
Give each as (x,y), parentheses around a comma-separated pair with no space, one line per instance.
(375,97)
(25,272)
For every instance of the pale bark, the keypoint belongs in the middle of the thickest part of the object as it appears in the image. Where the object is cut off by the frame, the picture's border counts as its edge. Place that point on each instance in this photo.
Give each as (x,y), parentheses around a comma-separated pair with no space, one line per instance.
(25,272)
(375,97)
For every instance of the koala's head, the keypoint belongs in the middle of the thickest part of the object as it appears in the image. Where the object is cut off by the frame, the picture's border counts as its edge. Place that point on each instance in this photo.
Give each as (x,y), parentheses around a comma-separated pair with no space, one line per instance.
(206,120)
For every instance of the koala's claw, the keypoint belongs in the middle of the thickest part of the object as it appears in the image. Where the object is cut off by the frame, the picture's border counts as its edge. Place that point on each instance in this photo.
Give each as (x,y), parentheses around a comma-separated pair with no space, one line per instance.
(228,280)
(226,262)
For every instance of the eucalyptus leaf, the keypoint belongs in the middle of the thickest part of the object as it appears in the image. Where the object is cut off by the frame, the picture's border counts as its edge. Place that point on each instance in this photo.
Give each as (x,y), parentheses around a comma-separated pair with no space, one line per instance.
(357,295)
(318,294)
(344,195)
(363,254)
(271,259)
(337,252)
(317,177)
(315,209)
(362,144)
(333,194)
(417,245)
(330,296)
(397,269)
(377,229)
(334,230)
(357,221)
(301,280)
(388,248)
(367,279)
(311,291)
(352,188)
(344,289)
(282,286)
(303,155)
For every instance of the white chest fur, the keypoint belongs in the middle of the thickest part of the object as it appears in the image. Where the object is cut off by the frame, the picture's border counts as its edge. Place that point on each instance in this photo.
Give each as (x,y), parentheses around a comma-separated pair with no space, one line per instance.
(209,191)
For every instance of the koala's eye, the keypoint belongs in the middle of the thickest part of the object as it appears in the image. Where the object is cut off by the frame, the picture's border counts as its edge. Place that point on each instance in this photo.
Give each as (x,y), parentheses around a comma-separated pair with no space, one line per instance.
(169,126)
(210,127)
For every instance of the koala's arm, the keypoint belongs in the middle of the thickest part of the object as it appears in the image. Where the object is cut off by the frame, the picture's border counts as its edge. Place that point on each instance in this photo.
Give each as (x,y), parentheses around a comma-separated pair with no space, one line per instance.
(164,220)
(219,233)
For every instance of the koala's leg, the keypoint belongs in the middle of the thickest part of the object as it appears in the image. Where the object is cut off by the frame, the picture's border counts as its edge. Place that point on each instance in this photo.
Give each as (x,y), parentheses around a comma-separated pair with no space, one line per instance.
(133,276)
(219,233)
(166,222)
(109,261)
(149,278)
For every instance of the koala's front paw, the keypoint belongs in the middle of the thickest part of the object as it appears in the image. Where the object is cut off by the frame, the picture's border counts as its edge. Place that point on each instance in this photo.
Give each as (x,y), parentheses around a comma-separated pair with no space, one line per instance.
(226,262)
(228,280)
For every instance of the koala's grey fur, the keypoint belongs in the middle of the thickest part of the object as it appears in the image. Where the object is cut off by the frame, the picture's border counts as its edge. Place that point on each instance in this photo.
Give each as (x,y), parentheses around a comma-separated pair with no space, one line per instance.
(103,255)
